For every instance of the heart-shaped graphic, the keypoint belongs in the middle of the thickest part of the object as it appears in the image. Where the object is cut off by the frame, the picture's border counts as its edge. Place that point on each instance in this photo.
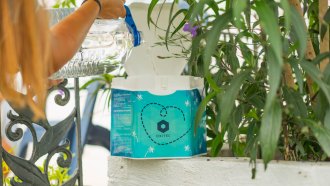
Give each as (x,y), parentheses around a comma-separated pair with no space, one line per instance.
(166,118)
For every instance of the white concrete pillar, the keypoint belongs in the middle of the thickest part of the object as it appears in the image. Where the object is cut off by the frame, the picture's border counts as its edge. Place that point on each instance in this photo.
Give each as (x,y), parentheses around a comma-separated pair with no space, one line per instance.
(215,171)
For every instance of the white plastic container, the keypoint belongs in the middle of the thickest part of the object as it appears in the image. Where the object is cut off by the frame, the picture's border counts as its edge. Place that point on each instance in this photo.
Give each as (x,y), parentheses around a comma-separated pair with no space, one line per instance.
(153,113)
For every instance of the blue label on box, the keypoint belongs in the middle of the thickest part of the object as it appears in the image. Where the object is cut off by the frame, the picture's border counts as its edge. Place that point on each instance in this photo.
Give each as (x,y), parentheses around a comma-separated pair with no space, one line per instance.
(144,125)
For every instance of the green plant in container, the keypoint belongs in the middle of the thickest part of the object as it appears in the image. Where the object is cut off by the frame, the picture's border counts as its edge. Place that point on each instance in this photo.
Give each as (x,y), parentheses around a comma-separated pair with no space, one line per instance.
(267,81)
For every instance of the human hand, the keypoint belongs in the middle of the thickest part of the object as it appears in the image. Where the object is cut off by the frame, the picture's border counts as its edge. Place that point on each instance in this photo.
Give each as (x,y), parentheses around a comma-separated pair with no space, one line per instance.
(112,9)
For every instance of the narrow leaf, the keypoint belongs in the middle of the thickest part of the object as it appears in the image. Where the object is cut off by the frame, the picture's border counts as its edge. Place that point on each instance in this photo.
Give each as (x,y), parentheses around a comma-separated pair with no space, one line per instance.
(322,135)
(295,101)
(152,5)
(201,109)
(287,11)
(317,60)
(216,145)
(247,54)
(247,14)
(316,76)
(177,28)
(194,52)
(84,86)
(327,119)
(274,73)
(326,17)
(227,102)
(270,131)
(240,6)
(268,21)
(212,83)
(170,21)
(298,73)
(324,27)
(198,9)
(214,6)
(212,38)
(299,31)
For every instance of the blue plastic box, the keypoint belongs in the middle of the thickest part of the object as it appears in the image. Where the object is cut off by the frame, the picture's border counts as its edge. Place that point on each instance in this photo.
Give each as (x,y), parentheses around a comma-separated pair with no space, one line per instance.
(159,122)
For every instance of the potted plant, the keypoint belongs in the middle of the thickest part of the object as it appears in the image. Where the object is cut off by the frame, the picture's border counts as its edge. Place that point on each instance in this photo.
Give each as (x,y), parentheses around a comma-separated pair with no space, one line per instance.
(266,74)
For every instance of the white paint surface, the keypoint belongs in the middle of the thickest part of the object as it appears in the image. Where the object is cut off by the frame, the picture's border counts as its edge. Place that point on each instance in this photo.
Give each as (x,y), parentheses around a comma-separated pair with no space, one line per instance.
(215,171)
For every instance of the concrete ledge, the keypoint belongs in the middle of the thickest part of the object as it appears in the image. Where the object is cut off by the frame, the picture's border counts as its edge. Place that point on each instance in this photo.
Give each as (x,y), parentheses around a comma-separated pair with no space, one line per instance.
(215,171)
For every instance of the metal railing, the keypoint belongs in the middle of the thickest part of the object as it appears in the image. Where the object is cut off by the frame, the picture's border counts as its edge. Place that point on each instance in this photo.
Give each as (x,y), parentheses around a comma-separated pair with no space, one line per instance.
(53,141)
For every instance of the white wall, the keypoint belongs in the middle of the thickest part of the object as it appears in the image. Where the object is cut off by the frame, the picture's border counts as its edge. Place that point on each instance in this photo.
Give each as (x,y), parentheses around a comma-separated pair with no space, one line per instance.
(215,172)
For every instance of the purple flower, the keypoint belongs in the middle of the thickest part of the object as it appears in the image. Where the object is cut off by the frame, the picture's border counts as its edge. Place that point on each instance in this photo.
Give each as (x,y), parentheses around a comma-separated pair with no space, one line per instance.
(192,29)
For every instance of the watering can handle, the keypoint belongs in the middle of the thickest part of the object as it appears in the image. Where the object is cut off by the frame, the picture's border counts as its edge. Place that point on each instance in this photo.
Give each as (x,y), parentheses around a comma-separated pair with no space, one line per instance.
(132,27)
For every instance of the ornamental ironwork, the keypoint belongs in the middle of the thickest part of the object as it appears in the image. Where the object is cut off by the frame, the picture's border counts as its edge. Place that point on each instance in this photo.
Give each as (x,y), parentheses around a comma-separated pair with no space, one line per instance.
(53,141)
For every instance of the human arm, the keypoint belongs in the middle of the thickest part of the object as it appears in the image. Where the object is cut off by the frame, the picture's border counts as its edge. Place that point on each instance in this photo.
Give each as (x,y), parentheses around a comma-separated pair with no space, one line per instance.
(68,35)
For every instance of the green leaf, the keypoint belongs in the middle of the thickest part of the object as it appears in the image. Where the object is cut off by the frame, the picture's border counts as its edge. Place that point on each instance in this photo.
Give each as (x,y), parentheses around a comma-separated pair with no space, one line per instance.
(233,124)
(299,31)
(247,54)
(202,107)
(170,22)
(274,73)
(321,106)
(295,101)
(252,146)
(317,60)
(183,22)
(270,131)
(108,78)
(228,98)
(247,14)
(151,7)
(212,38)
(210,134)
(299,75)
(327,119)
(216,145)
(322,135)
(231,55)
(84,86)
(198,9)
(239,7)
(268,21)
(73,2)
(316,76)
(287,11)
(238,149)
(194,52)
(326,17)
(212,83)
(214,6)
(324,27)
